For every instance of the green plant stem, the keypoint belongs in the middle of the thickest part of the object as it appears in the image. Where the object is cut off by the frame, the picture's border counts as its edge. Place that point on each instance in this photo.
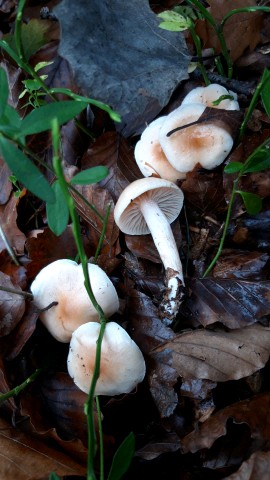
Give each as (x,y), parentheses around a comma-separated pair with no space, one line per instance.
(84,261)
(8,246)
(218,29)
(197,43)
(101,446)
(15,391)
(252,105)
(18,29)
(243,10)
(103,232)
(225,228)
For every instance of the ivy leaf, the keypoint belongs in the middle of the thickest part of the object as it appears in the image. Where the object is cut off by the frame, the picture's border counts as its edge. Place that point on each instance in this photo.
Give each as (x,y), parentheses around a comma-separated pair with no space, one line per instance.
(40,119)
(25,171)
(233,167)
(252,202)
(57,212)
(4,91)
(265,94)
(91,175)
(122,458)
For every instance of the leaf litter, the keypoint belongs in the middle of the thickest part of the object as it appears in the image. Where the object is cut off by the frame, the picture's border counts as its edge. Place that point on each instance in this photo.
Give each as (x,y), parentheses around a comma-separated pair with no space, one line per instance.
(208,378)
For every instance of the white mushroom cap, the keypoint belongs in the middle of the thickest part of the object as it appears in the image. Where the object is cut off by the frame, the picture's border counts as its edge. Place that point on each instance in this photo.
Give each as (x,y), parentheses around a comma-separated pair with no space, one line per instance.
(150,157)
(207,95)
(122,364)
(206,143)
(165,194)
(62,281)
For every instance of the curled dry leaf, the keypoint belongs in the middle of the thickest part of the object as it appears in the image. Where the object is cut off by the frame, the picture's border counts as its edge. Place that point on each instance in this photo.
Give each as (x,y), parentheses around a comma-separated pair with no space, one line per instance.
(27,458)
(234,303)
(255,412)
(8,217)
(12,306)
(216,355)
(257,467)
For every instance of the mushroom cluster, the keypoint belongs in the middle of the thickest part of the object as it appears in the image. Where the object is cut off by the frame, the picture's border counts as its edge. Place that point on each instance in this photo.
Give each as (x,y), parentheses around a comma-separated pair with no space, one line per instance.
(69,315)
(172,145)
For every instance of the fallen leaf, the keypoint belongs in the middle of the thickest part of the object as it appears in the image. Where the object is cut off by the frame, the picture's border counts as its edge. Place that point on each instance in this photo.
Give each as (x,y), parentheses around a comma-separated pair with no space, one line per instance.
(148,62)
(235,303)
(257,467)
(14,236)
(12,306)
(254,412)
(241,31)
(27,458)
(241,265)
(216,355)
(6,185)
(152,450)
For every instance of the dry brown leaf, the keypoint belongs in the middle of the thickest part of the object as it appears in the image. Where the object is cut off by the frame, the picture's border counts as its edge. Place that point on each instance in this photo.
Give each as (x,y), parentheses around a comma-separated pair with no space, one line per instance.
(216,355)
(235,303)
(5,184)
(26,458)
(254,412)
(114,152)
(12,306)
(101,198)
(8,217)
(241,31)
(257,467)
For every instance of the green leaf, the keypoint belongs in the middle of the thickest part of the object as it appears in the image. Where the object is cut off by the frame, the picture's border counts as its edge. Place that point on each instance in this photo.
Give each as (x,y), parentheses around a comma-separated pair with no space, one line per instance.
(54,476)
(91,175)
(252,202)
(41,65)
(31,85)
(265,94)
(25,171)
(40,119)
(172,27)
(3,91)
(34,35)
(258,161)
(233,167)
(173,21)
(57,212)
(122,458)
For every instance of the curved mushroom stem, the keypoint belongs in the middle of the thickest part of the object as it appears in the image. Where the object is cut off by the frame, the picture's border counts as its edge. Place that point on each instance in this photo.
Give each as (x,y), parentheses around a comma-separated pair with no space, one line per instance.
(164,240)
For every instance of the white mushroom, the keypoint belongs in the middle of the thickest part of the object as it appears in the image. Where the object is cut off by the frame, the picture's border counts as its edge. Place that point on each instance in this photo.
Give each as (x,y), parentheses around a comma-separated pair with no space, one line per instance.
(62,281)
(150,157)
(206,143)
(149,205)
(122,364)
(207,95)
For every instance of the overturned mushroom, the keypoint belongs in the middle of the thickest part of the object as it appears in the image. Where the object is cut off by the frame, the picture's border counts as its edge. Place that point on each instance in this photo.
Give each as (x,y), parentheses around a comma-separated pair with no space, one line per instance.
(122,364)
(209,95)
(150,205)
(150,157)
(62,282)
(187,142)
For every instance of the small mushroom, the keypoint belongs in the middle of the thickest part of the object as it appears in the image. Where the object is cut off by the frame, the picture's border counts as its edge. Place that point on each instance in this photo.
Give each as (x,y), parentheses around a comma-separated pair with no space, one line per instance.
(62,281)
(122,365)
(150,157)
(150,205)
(205,143)
(207,95)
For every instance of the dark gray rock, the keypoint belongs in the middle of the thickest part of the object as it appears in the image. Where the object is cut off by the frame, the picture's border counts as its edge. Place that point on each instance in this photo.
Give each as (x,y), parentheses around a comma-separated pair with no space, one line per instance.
(120,56)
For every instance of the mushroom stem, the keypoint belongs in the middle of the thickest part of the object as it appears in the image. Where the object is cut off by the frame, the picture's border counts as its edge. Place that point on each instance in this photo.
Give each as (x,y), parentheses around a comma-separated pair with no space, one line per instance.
(165,243)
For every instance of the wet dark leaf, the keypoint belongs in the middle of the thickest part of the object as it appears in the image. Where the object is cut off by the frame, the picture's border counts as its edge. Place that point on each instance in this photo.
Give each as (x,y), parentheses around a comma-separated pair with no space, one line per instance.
(254,412)
(231,302)
(12,306)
